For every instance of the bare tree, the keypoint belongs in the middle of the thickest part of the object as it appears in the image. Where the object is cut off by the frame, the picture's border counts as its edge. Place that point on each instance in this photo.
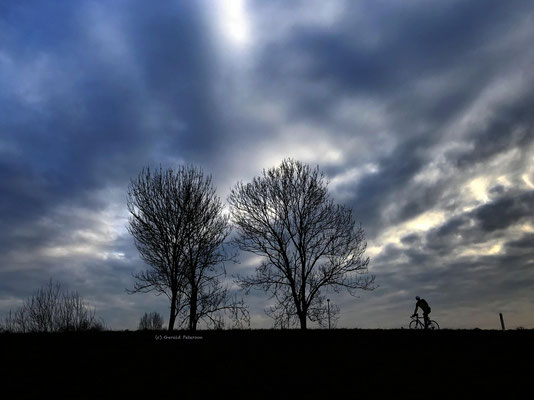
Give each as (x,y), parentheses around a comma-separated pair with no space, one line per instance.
(284,314)
(179,230)
(309,244)
(53,309)
(157,225)
(204,257)
(151,321)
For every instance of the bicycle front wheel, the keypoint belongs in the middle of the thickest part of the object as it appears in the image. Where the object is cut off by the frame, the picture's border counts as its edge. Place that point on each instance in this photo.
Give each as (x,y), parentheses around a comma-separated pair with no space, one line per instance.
(416,325)
(433,325)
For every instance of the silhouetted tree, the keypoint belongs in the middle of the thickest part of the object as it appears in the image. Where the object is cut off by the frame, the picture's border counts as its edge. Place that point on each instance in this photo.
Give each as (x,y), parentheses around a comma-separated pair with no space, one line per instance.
(179,230)
(307,242)
(151,321)
(284,314)
(53,309)
(204,256)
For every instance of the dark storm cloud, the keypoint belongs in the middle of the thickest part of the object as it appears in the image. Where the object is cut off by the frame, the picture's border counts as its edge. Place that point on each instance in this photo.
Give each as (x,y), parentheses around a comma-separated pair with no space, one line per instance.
(483,223)
(505,211)
(514,119)
(399,47)
(526,242)
(399,168)
(429,66)
(395,171)
(92,91)
(383,49)
(437,265)
(157,59)
(90,122)
(411,238)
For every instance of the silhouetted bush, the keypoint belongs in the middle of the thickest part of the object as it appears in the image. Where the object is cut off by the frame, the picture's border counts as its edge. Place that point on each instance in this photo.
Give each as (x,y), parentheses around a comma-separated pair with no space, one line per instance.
(151,321)
(53,309)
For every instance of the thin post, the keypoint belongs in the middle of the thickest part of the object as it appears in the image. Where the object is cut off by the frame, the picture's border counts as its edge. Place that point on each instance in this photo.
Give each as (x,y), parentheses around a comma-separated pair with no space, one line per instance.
(502,321)
(328,303)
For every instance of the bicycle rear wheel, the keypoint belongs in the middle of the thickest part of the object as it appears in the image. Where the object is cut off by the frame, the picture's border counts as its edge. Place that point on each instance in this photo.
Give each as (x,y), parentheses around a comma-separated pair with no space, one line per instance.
(433,325)
(416,325)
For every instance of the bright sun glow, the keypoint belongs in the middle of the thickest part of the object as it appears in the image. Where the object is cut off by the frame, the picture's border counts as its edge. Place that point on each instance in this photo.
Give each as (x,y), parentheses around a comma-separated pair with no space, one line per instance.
(527,180)
(233,20)
(421,223)
(483,249)
(479,189)
(426,221)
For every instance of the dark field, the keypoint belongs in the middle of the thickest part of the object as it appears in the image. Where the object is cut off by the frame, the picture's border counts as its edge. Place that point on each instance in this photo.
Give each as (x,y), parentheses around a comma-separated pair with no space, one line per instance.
(268,363)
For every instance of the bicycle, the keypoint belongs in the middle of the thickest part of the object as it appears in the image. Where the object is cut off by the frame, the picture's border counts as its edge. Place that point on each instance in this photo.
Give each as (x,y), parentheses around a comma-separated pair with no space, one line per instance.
(419,323)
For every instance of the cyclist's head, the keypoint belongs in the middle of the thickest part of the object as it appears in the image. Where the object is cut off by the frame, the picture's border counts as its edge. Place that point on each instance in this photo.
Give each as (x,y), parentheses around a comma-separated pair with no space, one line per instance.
(417,298)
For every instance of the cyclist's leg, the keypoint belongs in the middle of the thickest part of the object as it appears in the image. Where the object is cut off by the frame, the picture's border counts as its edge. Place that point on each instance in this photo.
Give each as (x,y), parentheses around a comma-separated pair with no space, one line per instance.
(427,319)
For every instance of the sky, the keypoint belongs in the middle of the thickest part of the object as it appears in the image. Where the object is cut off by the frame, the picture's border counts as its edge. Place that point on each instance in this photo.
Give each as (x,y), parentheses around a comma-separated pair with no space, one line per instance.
(420,114)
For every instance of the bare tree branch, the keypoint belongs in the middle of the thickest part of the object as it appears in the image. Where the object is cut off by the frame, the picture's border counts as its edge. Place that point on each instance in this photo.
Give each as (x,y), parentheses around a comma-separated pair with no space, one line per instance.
(151,321)
(53,309)
(179,229)
(309,244)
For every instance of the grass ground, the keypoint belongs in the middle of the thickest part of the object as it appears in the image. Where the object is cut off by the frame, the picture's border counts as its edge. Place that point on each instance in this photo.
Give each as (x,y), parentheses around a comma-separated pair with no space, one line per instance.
(268,363)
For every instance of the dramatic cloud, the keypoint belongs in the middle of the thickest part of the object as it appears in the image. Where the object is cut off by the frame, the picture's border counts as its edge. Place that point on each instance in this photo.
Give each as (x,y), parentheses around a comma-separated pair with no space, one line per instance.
(420,116)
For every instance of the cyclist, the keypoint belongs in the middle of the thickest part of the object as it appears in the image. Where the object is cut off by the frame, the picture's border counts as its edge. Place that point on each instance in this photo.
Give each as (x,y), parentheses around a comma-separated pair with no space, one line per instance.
(423,305)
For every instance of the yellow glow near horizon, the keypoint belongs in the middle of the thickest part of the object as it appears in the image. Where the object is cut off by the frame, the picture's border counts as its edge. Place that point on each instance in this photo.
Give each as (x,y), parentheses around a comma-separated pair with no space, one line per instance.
(421,223)
(373,251)
(426,221)
(504,181)
(495,249)
(484,249)
(479,189)
(300,142)
(68,250)
(527,180)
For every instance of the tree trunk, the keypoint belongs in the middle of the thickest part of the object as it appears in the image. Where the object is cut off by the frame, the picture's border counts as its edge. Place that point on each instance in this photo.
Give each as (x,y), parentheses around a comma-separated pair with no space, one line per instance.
(172,317)
(303,320)
(193,310)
